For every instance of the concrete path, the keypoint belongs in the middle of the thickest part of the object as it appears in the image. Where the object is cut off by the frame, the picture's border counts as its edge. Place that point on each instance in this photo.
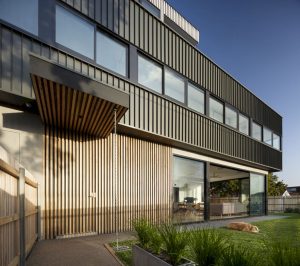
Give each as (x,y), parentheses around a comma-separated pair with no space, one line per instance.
(91,251)
(81,251)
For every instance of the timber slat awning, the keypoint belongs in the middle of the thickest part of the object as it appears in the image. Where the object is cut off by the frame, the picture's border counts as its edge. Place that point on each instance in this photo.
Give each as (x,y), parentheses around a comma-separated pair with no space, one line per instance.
(67,99)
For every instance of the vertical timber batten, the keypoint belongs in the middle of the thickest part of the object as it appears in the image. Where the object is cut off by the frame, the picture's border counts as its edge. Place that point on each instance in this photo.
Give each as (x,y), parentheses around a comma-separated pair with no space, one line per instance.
(81,162)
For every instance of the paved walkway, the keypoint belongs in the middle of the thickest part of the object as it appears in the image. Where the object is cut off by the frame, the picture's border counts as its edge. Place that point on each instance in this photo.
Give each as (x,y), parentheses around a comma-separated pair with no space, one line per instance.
(91,251)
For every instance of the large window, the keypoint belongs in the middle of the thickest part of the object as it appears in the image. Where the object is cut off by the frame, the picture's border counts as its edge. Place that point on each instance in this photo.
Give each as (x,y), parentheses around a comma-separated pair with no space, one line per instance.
(276,141)
(267,136)
(230,117)
(21,13)
(216,110)
(174,85)
(111,54)
(257,194)
(196,98)
(188,190)
(149,74)
(256,131)
(244,124)
(74,32)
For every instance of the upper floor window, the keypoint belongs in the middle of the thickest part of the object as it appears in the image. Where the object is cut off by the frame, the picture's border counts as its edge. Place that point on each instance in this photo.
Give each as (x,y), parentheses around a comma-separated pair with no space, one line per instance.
(256,131)
(174,85)
(244,124)
(276,141)
(111,54)
(149,74)
(267,136)
(216,110)
(151,8)
(74,32)
(230,117)
(196,98)
(23,14)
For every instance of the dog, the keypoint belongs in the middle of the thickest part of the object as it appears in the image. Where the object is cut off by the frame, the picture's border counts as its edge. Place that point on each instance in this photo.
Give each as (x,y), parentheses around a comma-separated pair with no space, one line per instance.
(245,227)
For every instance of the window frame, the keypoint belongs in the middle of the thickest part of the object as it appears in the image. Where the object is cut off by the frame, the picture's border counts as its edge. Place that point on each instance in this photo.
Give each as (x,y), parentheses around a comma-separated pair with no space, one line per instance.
(68,49)
(227,106)
(185,81)
(198,89)
(223,109)
(280,143)
(117,40)
(261,133)
(263,139)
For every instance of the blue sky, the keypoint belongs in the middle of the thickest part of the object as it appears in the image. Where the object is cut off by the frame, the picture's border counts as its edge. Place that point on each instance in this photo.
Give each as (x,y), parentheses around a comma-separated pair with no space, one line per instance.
(258,43)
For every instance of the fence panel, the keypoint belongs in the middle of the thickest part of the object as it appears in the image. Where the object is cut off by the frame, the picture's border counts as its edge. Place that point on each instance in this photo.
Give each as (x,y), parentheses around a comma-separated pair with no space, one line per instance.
(280,204)
(10,234)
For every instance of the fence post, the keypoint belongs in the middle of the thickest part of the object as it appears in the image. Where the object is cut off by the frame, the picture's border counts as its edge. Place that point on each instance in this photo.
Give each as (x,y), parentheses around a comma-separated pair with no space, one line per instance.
(22,215)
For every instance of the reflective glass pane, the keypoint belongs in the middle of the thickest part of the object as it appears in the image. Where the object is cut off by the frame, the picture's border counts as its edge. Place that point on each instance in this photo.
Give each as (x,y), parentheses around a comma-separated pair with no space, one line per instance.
(196,98)
(149,74)
(230,117)
(257,194)
(256,131)
(267,136)
(188,190)
(174,85)
(74,32)
(216,110)
(244,124)
(111,54)
(21,13)
(276,141)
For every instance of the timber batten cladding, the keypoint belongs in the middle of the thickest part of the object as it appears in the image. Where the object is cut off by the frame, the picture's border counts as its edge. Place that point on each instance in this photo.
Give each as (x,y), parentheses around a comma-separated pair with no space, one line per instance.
(144,105)
(68,100)
(80,189)
(131,21)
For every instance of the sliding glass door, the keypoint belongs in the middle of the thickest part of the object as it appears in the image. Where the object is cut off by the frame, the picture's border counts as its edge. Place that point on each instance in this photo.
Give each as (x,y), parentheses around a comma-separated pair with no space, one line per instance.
(257,194)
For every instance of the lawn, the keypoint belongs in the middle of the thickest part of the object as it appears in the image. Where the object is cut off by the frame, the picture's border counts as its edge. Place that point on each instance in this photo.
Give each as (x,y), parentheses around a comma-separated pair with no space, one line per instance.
(285,231)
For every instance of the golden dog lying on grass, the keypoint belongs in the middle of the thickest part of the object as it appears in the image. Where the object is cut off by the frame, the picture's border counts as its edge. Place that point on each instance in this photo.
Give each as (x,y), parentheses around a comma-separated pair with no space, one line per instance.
(245,227)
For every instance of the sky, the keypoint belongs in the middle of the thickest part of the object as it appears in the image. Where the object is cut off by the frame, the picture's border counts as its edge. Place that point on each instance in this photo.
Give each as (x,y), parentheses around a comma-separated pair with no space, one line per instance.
(258,43)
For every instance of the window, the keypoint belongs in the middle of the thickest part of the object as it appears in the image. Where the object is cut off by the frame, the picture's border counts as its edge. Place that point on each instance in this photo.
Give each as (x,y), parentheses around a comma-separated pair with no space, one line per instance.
(267,136)
(230,117)
(74,32)
(216,110)
(188,189)
(195,98)
(174,85)
(244,124)
(276,141)
(149,74)
(151,8)
(23,14)
(256,131)
(111,54)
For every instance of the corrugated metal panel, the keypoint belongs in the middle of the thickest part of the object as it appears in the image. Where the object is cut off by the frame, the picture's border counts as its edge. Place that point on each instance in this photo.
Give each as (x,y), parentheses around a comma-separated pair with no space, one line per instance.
(211,79)
(80,188)
(168,111)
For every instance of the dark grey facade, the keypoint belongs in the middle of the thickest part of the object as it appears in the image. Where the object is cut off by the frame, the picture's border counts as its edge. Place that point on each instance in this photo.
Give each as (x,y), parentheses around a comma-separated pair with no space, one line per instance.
(152,116)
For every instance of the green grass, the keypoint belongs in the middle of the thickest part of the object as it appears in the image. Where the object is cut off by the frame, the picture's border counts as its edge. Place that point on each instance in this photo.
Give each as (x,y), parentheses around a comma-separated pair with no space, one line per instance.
(286,231)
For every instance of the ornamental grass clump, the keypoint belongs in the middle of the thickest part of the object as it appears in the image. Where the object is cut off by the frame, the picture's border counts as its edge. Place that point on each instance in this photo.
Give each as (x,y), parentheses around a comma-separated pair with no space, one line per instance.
(239,256)
(282,254)
(142,228)
(174,242)
(206,246)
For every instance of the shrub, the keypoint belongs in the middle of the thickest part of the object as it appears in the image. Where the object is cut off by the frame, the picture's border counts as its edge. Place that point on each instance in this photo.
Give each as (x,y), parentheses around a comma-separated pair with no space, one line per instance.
(155,242)
(206,246)
(239,256)
(142,228)
(174,242)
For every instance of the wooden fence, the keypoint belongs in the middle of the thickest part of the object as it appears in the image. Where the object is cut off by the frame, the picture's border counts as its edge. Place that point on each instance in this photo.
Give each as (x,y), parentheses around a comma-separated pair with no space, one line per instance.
(18,211)
(280,204)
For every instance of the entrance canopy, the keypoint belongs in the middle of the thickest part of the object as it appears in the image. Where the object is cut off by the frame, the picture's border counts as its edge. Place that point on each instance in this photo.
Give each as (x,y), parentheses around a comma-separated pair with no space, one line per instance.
(67,99)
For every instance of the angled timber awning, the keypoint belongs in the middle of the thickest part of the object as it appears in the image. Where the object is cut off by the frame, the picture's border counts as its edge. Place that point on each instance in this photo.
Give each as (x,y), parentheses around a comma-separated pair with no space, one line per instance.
(67,99)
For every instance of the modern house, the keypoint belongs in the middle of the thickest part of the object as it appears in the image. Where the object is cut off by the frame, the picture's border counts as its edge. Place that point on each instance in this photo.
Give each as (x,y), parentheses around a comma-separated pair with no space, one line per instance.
(192,143)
